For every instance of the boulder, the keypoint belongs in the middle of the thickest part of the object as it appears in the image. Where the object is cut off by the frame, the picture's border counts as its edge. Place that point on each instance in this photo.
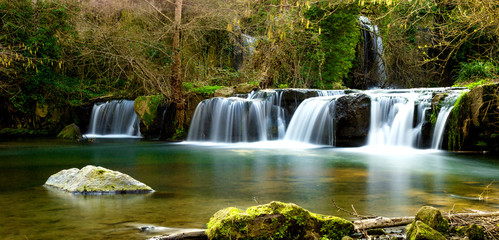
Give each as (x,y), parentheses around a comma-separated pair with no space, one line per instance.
(225,92)
(473,122)
(70,132)
(433,218)
(243,88)
(150,110)
(95,180)
(420,231)
(352,118)
(276,220)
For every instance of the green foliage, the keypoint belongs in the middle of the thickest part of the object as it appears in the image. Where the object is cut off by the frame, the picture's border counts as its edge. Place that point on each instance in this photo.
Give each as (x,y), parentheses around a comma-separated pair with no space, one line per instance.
(456,123)
(204,90)
(338,40)
(476,70)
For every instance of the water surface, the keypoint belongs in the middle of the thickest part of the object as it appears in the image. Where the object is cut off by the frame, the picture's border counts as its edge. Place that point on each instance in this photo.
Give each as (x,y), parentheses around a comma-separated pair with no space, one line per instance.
(192,182)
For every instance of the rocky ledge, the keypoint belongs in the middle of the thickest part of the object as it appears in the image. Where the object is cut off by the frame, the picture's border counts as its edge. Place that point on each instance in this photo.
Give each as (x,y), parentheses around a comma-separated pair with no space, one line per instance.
(95,180)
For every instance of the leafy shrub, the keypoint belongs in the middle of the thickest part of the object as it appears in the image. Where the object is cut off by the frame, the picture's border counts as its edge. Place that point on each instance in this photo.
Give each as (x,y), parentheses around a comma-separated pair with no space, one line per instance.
(476,69)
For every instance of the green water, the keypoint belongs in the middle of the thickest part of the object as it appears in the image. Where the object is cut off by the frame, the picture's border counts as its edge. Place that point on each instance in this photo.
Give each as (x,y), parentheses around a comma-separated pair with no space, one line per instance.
(193,182)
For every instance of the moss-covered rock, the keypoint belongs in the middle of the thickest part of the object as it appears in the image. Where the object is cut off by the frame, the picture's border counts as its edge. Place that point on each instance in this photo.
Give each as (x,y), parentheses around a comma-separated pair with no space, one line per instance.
(473,232)
(433,218)
(95,180)
(244,88)
(474,120)
(420,231)
(71,132)
(276,220)
(225,92)
(149,110)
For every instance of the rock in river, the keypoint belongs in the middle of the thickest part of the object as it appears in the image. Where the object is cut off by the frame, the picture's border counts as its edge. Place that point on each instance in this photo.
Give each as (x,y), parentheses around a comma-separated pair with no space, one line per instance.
(96,180)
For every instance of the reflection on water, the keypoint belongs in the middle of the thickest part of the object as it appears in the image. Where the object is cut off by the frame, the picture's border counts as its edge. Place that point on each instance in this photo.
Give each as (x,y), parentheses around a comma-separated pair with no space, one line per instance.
(193,182)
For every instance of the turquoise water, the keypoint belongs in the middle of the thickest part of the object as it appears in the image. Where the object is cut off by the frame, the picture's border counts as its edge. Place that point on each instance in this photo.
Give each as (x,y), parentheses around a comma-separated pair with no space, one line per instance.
(192,182)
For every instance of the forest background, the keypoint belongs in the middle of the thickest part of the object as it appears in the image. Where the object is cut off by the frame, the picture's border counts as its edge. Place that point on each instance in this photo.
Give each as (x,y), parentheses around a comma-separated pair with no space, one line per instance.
(56,54)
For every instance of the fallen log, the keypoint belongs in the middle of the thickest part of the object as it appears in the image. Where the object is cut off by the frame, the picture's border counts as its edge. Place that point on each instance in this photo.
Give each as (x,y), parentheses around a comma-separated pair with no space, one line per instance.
(191,235)
(383,222)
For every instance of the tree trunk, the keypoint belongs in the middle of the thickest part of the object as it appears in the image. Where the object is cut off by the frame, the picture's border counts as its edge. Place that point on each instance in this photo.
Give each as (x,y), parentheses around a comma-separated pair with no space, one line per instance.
(178,93)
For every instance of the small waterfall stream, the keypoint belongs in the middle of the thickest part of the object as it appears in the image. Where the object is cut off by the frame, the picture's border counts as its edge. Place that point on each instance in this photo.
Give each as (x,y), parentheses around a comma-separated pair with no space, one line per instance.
(438,132)
(114,119)
(313,121)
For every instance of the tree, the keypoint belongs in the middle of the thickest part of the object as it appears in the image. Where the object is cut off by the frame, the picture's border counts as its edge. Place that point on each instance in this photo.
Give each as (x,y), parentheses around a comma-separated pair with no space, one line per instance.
(178,93)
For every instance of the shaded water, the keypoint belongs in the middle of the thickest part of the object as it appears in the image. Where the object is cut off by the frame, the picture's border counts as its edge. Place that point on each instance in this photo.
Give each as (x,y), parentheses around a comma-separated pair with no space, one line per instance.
(193,182)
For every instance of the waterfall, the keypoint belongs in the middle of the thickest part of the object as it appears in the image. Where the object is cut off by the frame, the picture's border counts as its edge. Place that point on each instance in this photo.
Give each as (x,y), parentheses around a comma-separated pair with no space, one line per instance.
(263,115)
(397,117)
(229,120)
(445,109)
(373,51)
(313,122)
(114,119)
(438,132)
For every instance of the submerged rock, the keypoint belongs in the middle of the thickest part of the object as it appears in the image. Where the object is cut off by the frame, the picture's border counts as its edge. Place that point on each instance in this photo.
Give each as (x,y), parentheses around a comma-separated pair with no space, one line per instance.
(276,220)
(71,132)
(420,231)
(95,180)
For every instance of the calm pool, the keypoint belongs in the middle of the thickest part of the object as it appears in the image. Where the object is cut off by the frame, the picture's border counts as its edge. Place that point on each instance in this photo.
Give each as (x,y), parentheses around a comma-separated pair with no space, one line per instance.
(194,181)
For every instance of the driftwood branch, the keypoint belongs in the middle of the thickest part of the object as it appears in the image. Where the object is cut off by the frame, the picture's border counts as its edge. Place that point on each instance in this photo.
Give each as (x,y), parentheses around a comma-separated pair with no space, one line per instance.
(191,235)
(382,222)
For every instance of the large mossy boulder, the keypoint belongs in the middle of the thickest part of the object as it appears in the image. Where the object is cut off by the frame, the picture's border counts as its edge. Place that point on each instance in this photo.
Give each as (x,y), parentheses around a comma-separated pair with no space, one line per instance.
(352,118)
(70,132)
(474,120)
(276,220)
(95,180)
(420,231)
(433,218)
(150,110)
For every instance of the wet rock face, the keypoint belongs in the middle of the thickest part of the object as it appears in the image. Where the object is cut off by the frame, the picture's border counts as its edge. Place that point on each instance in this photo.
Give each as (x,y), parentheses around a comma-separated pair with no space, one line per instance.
(95,180)
(150,110)
(352,117)
(474,120)
(276,220)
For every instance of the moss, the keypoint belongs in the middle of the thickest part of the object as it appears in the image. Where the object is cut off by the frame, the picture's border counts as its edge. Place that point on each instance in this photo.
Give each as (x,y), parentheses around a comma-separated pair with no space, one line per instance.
(420,231)
(433,218)
(457,117)
(473,232)
(147,107)
(71,132)
(275,220)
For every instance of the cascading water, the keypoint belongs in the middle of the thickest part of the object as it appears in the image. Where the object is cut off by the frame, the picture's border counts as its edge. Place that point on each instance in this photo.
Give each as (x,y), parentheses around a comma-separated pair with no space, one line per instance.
(438,132)
(263,115)
(229,120)
(392,119)
(114,119)
(445,110)
(313,121)
(397,117)
(373,51)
